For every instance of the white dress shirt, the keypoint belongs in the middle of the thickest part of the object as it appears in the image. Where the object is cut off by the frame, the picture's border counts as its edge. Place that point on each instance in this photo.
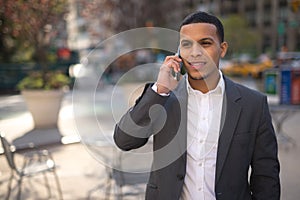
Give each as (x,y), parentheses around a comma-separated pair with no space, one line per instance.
(203,129)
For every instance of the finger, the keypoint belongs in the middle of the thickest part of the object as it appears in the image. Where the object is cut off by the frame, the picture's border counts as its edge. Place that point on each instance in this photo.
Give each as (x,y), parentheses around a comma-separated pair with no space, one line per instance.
(172,64)
(173,57)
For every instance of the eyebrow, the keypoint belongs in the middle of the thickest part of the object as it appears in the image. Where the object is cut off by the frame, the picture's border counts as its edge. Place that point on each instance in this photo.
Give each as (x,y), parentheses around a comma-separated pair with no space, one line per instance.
(201,40)
(205,39)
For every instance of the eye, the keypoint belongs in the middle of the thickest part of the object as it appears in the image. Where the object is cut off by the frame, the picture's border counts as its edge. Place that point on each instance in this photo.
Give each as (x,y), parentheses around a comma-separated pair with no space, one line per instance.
(205,43)
(186,44)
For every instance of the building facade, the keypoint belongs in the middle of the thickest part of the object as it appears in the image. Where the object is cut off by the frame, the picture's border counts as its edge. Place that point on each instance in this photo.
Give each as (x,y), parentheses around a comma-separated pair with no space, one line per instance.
(277,22)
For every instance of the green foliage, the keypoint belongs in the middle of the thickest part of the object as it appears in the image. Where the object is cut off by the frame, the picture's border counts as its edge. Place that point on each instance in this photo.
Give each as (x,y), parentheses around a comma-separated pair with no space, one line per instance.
(29,25)
(22,55)
(27,31)
(47,81)
(240,37)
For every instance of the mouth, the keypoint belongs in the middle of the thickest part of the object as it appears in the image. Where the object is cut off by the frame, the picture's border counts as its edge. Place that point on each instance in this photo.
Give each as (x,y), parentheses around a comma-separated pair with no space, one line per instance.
(197,65)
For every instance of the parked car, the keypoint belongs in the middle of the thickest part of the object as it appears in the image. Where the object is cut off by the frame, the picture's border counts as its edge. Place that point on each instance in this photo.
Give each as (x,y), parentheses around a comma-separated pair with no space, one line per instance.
(254,70)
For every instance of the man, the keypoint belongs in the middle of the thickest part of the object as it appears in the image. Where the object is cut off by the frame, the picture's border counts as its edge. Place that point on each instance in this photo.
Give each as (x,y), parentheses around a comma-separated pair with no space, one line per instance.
(212,138)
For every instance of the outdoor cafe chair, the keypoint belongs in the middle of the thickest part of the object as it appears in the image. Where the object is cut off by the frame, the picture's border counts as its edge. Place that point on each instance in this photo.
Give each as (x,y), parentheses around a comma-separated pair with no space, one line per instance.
(126,173)
(119,178)
(129,171)
(35,162)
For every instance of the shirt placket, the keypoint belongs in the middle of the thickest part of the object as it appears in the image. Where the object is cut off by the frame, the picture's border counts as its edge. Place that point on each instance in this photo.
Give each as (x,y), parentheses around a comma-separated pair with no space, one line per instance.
(203,109)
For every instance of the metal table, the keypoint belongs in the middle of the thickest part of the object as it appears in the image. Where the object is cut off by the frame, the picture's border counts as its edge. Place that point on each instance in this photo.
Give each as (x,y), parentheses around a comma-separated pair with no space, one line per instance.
(280,113)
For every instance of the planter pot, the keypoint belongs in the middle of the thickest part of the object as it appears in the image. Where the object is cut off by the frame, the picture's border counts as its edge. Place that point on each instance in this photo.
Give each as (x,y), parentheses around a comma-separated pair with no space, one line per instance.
(44,106)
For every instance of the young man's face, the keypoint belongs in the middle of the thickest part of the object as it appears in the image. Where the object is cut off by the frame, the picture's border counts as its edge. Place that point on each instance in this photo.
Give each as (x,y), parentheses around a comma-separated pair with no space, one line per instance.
(201,50)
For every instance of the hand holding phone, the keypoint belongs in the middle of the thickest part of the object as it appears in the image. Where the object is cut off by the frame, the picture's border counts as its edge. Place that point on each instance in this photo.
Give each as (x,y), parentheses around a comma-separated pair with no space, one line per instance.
(177,75)
(170,73)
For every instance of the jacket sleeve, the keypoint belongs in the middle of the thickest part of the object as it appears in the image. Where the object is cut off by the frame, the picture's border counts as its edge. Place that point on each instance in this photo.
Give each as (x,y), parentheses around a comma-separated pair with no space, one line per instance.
(264,180)
(144,119)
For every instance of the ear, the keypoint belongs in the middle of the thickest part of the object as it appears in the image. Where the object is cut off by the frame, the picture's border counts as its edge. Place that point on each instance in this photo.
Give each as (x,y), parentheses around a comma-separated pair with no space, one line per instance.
(224,47)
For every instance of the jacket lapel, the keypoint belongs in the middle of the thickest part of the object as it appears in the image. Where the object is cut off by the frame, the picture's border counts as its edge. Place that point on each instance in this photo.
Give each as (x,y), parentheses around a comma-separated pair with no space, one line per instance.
(230,115)
(181,94)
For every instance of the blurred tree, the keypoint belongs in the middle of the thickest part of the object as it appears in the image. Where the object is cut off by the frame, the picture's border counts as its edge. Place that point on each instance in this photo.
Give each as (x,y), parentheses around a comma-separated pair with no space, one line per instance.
(8,31)
(240,37)
(30,24)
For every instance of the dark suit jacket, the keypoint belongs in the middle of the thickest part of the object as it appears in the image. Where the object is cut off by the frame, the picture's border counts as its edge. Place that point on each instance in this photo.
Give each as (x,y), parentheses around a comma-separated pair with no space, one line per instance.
(246,139)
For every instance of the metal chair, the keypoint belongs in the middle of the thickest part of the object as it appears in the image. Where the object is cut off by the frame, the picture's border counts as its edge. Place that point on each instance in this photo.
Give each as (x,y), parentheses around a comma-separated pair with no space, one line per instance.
(126,174)
(35,162)
(128,171)
(121,179)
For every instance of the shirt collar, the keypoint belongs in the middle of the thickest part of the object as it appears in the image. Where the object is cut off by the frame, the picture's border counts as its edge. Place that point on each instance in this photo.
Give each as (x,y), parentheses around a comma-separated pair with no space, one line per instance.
(218,90)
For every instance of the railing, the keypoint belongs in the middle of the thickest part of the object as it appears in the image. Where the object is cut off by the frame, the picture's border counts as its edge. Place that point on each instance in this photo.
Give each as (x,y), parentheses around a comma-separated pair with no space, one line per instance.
(12,73)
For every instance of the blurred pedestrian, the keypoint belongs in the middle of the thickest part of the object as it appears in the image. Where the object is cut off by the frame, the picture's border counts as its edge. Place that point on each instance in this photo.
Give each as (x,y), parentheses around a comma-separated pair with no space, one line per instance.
(211,133)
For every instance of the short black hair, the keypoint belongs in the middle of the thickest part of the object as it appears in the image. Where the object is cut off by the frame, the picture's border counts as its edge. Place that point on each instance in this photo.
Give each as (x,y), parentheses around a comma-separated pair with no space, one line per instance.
(203,17)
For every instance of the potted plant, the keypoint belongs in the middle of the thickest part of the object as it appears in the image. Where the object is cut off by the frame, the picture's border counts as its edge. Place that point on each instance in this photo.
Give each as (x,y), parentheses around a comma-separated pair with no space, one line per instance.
(43,92)
(35,29)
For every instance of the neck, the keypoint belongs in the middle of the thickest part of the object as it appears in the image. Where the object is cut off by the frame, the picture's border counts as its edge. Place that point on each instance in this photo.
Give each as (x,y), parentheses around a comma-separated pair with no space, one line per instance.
(205,84)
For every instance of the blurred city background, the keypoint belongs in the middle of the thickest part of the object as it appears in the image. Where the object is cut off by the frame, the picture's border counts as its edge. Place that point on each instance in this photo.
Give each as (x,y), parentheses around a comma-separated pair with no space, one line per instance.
(62,44)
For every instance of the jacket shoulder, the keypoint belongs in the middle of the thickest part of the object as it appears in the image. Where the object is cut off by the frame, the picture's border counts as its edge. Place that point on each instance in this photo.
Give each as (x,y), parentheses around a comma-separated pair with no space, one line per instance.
(244,91)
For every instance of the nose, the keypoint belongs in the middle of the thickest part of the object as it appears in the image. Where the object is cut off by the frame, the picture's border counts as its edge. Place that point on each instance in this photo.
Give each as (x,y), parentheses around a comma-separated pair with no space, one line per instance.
(196,51)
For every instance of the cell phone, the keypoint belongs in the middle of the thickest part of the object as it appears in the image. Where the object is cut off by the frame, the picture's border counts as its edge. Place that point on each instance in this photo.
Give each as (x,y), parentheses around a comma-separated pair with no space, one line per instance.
(176,75)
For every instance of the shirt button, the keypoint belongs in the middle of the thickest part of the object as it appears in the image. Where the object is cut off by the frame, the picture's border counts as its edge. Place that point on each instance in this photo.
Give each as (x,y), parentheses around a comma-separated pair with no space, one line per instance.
(199,189)
(200,164)
(201,141)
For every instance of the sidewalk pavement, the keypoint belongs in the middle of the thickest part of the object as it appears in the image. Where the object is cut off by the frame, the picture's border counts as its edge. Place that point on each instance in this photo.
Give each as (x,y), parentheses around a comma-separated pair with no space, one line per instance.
(81,174)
